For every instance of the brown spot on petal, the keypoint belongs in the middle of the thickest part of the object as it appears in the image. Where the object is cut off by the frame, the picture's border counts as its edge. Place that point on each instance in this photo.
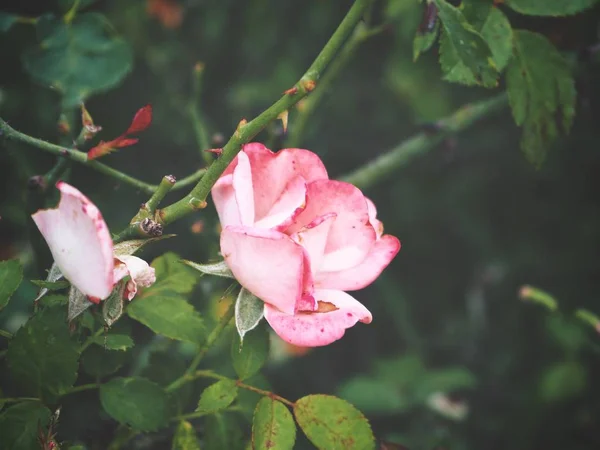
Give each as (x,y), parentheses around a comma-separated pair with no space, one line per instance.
(325,307)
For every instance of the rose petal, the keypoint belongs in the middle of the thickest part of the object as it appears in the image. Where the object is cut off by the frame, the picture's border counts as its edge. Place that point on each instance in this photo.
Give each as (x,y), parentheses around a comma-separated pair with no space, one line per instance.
(267,263)
(313,237)
(79,241)
(223,195)
(244,190)
(289,204)
(272,172)
(377,224)
(351,235)
(141,273)
(318,329)
(360,276)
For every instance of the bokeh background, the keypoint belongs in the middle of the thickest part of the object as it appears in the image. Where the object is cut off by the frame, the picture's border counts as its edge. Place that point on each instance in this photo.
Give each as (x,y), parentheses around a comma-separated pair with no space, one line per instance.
(454,359)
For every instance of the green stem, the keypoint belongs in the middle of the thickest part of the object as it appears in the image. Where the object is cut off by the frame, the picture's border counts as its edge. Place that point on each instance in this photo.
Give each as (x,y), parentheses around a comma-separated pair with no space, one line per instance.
(166,184)
(246,131)
(210,341)
(199,414)
(81,158)
(196,115)
(89,341)
(386,164)
(216,376)
(18,399)
(311,104)
(6,334)
(83,387)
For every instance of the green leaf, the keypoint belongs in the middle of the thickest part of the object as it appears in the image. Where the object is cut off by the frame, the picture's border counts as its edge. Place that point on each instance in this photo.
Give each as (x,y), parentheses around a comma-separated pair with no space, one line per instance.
(550,7)
(114,305)
(54,274)
(247,400)
(170,316)
(185,437)
(42,356)
(332,423)
(52,285)
(249,311)
(495,29)
(52,301)
(172,275)
(272,426)
(541,92)
(19,425)
(222,431)
(218,396)
(424,41)
(78,303)
(464,44)
(563,381)
(78,59)
(100,362)
(130,247)
(7,21)
(135,402)
(220,269)
(11,274)
(114,341)
(250,356)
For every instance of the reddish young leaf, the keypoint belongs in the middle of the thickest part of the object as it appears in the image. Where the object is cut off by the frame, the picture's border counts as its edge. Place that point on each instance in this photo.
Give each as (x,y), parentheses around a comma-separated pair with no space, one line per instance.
(141,120)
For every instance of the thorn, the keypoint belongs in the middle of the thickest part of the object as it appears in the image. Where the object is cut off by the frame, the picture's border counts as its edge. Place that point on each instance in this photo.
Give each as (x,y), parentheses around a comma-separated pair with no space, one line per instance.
(309,85)
(216,151)
(291,91)
(284,119)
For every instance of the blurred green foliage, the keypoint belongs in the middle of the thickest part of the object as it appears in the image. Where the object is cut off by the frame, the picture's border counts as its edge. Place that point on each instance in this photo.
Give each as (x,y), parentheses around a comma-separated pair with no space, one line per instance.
(476,220)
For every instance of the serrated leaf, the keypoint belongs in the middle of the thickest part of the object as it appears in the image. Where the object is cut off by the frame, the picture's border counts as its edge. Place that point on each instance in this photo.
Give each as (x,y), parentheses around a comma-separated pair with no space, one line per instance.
(136,402)
(550,7)
(42,356)
(78,303)
(11,274)
(249,357)
(222,431)
(7,21)
(19,425)
(218,396)
(100,362)
(185,437)
(272,426)
(172,275)
(114,305)
(78,59)
(114,341)
(54,274)
(130,247)
(51,285)
(541,92)
(464,44)
(332,423)
(249,311)
(220,269)
(496,30)
(170,316)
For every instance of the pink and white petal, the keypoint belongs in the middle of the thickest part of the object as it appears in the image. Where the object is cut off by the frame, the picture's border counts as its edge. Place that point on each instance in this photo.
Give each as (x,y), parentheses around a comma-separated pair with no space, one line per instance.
(313,237)
(351,233)
(142,275)
(377,224)
(79,241)
(267,263)
(223,195)
(317,329)
(272,172)
(289,204)
(244,189)
(362,275)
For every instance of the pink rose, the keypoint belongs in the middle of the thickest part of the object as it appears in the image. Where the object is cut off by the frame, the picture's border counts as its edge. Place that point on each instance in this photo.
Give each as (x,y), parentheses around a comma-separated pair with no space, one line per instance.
(297,240)
(82,247)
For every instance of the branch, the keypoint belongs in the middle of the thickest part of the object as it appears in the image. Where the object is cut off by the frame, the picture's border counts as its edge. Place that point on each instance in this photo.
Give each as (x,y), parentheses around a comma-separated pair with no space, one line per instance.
(246,131)
(389,162)
(81,158)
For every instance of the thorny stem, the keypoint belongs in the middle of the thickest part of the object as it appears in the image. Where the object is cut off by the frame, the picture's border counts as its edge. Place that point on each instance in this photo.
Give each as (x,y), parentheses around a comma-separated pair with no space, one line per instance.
(210,340)
(387,163)
(81,158)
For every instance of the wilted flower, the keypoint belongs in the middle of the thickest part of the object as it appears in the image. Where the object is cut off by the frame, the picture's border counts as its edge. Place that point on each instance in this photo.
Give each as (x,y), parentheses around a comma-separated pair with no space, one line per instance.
(82,247)
(297,240)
